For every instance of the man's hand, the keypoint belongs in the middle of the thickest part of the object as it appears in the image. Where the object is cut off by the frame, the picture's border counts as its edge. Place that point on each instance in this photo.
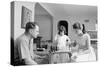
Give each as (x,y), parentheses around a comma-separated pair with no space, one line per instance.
(30,62)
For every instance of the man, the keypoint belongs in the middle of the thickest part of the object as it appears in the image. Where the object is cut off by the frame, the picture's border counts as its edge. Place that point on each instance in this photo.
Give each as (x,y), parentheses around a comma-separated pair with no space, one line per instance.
(23,50)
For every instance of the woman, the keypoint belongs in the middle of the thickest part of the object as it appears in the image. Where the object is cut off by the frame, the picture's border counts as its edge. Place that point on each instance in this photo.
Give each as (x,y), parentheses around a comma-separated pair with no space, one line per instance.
(62,42)
(85,50)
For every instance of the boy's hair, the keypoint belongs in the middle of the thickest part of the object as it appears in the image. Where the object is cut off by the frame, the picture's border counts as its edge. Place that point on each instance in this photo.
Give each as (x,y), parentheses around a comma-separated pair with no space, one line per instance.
(30,25)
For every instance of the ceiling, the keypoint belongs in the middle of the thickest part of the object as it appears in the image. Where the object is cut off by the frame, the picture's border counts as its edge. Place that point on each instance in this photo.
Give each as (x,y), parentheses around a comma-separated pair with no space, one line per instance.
(39,10)
(70,10)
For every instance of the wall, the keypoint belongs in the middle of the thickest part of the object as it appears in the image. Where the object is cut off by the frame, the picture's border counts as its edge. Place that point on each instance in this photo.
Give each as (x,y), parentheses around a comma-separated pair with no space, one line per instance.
(45,26)
(44,20)
(17,16)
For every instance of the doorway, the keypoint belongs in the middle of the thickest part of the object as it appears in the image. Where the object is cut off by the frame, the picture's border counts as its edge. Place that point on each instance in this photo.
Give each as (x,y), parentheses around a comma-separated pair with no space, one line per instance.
(65,24)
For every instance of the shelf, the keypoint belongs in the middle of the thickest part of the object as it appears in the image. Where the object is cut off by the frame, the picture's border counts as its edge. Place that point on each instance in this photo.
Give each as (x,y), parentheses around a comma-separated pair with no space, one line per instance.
(93,39)
(92,30)
(93,34)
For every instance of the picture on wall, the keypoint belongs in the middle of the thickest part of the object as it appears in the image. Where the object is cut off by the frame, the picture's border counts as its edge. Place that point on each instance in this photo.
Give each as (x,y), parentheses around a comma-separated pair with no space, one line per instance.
(26,16)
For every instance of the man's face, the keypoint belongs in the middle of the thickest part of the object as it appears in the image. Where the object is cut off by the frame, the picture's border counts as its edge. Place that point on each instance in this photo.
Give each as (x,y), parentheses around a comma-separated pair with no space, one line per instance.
(34,32)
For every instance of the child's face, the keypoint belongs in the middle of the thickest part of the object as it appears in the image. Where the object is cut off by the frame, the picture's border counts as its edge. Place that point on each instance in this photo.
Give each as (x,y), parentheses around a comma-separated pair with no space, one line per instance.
(62,33)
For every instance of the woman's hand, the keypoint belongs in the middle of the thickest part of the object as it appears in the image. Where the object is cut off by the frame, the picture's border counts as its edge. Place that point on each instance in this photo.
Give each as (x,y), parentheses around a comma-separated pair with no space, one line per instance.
(74,56)
(84,51)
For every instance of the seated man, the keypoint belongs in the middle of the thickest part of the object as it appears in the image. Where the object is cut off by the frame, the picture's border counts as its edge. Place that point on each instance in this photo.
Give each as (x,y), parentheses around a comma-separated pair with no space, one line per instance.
(23,48)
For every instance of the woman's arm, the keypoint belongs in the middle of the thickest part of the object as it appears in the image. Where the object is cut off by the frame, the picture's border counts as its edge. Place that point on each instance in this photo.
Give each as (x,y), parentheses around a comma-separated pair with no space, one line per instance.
(86,49)
(55,40)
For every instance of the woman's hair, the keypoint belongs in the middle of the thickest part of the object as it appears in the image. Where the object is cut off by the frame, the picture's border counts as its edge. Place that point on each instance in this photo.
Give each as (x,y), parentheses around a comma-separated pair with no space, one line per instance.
(77,25)
(61,29)
(83,30)
(30,25)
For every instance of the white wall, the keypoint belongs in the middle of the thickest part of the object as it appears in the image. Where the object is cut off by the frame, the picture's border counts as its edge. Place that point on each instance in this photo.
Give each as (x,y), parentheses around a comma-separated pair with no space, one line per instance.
(17,16)
(44,22)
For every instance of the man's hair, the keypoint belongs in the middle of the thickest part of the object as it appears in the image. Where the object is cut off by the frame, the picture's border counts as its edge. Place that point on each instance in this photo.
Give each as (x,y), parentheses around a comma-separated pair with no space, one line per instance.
(30,25)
